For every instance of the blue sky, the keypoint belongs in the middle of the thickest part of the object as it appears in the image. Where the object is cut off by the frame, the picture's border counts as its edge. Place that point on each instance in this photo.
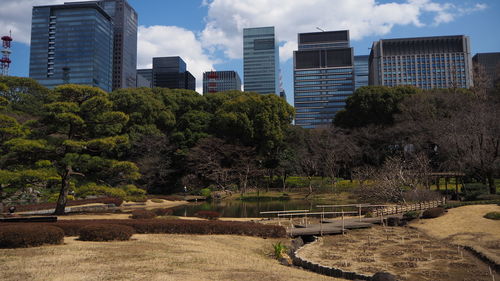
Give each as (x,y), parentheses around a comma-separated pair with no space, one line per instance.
(207,34)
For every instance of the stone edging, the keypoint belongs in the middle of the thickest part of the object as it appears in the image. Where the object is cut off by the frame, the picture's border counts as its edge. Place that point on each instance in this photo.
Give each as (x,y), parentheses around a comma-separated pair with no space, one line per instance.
(495,266)
(321,269)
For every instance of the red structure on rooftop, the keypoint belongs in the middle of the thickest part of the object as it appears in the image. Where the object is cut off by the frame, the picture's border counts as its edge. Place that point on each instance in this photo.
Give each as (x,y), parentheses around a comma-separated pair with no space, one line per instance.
(5,60)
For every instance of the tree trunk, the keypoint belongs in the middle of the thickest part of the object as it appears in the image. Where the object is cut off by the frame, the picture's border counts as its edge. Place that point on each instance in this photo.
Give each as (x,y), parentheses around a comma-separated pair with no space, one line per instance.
(491,183)
(284,181)
(63,194)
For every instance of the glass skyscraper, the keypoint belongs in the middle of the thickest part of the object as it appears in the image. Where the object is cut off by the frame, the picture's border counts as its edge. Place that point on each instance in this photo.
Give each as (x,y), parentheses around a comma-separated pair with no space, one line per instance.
(220,81)
(171,72)
(125,42)
(361,71)
(323,77)
(72,43)
(423,62)
(260,60)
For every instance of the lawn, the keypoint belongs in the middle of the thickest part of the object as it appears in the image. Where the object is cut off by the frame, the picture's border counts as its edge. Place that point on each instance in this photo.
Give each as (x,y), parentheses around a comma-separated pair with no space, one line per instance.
(152,257)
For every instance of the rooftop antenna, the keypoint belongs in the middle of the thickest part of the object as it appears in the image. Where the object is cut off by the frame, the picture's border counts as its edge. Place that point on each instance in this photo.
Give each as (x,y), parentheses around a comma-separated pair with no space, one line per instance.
(5,60)
(320,29)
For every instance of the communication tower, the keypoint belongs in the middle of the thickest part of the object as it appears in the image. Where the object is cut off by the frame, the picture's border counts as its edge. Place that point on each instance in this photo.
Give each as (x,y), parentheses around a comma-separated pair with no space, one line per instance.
(5,60)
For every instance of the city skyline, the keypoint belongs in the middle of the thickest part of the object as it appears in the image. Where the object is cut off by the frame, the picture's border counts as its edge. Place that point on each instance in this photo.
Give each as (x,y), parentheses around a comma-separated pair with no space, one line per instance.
(215,39)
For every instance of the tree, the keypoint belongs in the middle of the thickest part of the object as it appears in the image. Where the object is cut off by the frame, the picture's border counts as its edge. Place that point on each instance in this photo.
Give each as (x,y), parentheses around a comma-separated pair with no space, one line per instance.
(374,105)
(78,136)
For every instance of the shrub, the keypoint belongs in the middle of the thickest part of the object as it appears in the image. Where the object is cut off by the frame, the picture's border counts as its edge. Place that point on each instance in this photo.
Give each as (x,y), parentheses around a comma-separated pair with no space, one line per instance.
(106,232)
(460,204)
(205,192)
(493,215)
(163,212)
(433,213)
(154,200)
(210,215)
(22,236)
(471,191)
(279,250)
(93,189)
(143,226)
(411,215)
(143,214)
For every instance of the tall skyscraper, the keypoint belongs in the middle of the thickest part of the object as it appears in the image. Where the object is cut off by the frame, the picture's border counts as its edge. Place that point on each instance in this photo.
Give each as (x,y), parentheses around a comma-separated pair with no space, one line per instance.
(490,63)
(361,71)
(219,81)
(171,72)
(323,77)
(125,42)
(424,62)
(72,43)
(260,60)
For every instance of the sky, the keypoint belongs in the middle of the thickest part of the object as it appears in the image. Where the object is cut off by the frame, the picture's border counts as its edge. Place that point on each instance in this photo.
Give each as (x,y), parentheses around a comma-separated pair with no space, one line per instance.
(207,34)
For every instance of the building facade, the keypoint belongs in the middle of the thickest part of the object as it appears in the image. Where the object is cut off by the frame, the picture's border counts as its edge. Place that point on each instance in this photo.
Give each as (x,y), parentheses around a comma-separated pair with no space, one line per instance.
(219,81)
(323,77)
(71,43)
(260,60)
(125,42)
(144,78)
(490,66)
(361,71)
(425,62)
(171,72)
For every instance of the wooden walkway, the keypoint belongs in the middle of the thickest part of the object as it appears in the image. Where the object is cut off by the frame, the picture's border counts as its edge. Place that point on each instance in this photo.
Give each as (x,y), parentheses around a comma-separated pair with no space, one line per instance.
(343,224)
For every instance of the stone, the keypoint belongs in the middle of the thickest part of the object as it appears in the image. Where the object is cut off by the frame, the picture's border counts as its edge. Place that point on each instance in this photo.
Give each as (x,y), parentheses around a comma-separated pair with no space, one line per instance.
(383,276)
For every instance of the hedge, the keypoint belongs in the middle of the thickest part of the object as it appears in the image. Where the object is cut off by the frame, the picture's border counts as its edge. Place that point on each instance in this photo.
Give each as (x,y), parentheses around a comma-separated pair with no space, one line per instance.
(143,226)
(209,215)
(29,235)
(142,214)
(106,232)
(460,204)
(46,206)
(433,213)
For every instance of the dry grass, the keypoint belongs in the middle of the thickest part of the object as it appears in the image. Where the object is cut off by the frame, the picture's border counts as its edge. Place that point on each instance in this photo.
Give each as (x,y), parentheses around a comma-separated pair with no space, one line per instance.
(467,226)
(405,252)
(152,257)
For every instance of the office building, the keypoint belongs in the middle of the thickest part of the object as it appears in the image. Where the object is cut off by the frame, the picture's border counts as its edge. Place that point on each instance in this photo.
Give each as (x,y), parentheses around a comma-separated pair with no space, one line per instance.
(72,43)
(425,62)
(490,66)
(323,77)
(125,42)
(260,60)
(171,72)
(361,71)
(219,81)
(144,78)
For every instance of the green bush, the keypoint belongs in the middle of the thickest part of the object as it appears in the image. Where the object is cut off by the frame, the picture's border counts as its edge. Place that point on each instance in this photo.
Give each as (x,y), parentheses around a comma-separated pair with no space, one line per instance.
(433,213)
(279,250)
(106,232)
(143,214)
(411,215)
(471,191)
(97,190)
(29,235)
(493,215)
(132,190)
(205,192)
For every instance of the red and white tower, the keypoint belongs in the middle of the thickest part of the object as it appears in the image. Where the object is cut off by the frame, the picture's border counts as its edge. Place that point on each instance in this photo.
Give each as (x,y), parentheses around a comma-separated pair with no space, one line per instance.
(5,60)
(212,82)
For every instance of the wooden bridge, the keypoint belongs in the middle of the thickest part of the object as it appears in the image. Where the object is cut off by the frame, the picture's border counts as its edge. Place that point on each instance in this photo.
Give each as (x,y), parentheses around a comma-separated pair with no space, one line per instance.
(342,221)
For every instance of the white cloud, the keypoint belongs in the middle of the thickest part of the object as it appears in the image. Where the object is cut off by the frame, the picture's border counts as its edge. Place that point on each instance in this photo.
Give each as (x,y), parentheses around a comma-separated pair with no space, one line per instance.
(227,18)
(165,41)
(15,16)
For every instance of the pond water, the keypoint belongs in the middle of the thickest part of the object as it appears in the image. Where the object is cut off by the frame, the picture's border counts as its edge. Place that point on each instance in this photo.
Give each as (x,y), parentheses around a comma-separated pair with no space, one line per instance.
(245,209)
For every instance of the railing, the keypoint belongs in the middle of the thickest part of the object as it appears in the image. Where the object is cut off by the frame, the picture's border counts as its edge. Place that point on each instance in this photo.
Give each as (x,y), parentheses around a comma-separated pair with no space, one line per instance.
(398,209)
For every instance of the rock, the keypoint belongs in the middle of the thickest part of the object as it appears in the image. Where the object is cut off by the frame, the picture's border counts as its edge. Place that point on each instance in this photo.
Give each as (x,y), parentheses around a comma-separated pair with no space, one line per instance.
(393,221)
(383,276)
(285,260)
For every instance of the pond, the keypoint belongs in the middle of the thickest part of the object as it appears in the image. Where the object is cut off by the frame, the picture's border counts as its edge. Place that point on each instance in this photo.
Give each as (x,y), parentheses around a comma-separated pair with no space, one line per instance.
(246,209)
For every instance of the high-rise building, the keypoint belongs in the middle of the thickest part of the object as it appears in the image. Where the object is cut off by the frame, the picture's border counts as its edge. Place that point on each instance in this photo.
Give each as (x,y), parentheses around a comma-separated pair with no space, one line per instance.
(424,62)
(323,77)
(171,72)
(72,43)
(260,60)
(219,81)
(490,63)
(145,77)
(361,71)
(125,42)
